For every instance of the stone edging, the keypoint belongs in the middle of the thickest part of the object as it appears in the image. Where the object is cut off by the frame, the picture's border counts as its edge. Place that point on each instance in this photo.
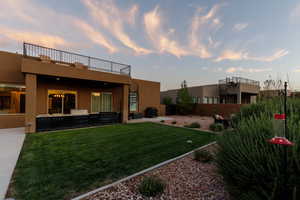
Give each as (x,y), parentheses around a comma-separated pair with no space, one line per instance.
(139,173)
(195,129)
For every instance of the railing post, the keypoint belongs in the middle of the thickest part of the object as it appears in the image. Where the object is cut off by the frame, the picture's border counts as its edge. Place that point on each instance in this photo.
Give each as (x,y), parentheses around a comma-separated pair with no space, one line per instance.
(60,56)
(111,66)
(24,49)
(89,62)
(129,70)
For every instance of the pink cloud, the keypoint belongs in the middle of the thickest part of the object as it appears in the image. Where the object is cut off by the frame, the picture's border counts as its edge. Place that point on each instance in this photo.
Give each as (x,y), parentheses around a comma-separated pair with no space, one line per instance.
(247,70)
(95,36)
(33,37)
(112,18)
(242,55)
(159,38)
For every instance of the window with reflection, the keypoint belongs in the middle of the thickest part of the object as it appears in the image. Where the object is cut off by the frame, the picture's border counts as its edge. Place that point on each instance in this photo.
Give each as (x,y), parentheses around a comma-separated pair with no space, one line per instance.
(12,99)
(61,101)
(101,102)
(133,101)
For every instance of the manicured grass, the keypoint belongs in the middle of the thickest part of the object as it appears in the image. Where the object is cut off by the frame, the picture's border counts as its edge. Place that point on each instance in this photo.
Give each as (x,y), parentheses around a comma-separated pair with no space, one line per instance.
(63,164)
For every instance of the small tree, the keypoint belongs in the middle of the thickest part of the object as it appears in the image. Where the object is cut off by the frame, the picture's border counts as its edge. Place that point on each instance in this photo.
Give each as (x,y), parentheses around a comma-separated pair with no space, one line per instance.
(167,100)
(184,100)
(272,88)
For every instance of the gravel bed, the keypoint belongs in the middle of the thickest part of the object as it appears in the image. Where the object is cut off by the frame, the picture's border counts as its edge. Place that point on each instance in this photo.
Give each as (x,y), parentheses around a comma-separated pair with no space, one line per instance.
(185,179)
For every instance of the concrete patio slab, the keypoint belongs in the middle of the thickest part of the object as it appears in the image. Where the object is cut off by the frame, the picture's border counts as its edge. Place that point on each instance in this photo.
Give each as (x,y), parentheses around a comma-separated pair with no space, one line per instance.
(11,141)
(181,120)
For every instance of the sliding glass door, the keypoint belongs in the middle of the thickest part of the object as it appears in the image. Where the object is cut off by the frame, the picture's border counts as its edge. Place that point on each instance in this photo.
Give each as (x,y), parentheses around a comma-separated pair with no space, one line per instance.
(61,101)
(101,102)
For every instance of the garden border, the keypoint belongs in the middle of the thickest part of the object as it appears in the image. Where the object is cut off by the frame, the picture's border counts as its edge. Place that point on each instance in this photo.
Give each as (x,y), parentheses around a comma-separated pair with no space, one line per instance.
(139,173)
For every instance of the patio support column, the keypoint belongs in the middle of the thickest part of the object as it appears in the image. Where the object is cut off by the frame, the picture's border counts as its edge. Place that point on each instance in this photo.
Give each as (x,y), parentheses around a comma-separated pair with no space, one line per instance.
(125,93)
(30,103)
(239,98)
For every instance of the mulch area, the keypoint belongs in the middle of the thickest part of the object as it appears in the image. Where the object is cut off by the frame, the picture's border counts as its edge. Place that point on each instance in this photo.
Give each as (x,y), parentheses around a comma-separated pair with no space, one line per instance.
(205,122)
(185,179)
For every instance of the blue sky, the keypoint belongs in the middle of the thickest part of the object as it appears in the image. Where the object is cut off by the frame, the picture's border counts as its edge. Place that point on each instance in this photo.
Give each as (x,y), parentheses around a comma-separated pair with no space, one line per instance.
(167,41)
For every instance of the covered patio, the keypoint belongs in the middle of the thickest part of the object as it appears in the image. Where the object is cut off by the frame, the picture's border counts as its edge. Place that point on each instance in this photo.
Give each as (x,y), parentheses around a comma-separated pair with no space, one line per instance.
(72,103)
(66,90)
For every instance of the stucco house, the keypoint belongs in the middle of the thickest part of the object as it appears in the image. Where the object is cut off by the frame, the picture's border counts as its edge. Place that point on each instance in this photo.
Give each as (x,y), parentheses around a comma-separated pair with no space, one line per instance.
(45,89)
(232,90)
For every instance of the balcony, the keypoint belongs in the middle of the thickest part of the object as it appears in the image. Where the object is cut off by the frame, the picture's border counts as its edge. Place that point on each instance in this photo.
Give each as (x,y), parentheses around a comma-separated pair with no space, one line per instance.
(65,58)
(234,85)
(238,80)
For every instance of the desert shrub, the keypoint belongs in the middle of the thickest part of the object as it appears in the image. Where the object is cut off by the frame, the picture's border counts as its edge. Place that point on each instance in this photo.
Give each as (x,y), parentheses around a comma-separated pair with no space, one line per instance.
(151,112)
(174,122)
(167,100)
(252,168)
(193,125)
(203,156)
(217,127)
(266,108)
(151,186)
(184,100)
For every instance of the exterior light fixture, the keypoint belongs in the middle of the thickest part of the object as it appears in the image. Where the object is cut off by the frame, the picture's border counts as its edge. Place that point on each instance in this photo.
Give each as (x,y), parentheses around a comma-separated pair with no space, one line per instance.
(96,94)
(59,95)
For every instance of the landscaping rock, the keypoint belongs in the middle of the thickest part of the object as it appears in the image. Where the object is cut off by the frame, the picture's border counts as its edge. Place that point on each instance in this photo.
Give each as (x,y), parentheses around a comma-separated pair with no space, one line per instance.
(185,178)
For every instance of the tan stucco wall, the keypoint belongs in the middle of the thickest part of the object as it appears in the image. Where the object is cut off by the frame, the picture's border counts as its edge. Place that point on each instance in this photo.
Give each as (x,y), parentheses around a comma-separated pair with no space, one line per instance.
(10,68)
(41,68)
(83,89)
(248,88)
(12,120)
(196,91)
(149,94)
(30,102)
(169,93)
(210,91)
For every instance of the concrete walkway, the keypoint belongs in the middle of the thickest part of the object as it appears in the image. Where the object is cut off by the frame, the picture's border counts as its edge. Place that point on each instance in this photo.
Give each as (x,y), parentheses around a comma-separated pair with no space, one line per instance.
(11,141)
(155,119)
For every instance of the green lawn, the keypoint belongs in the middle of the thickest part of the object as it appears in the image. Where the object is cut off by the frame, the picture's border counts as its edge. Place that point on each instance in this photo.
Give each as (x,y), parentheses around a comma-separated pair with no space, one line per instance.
(63,164)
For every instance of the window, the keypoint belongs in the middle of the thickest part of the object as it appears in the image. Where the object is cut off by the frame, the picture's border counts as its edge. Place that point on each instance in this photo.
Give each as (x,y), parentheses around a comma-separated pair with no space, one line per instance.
(194,99)
(101,102)
(216,100)
(133,101)
(205,100)
(61,101)
(12,99)
(199,100)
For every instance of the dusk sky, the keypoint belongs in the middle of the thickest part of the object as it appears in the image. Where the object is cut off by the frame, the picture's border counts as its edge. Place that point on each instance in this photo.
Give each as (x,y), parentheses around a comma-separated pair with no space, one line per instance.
(167,41)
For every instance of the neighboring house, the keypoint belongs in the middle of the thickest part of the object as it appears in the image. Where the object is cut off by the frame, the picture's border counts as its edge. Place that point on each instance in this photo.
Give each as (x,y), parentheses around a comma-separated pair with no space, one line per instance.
(267,94)
(235,90)
(295,94)
(46,88)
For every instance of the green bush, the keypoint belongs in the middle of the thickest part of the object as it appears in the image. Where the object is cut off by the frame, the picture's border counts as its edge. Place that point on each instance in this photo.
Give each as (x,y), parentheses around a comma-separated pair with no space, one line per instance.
(174,122)
(162,121)
(193,125)
(252,168)
(217,127)
(151,186)
(203,156)
(167,100)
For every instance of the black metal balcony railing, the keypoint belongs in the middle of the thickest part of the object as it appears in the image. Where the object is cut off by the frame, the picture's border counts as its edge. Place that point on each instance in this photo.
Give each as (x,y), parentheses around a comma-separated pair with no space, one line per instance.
(92,63)
(239,80)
